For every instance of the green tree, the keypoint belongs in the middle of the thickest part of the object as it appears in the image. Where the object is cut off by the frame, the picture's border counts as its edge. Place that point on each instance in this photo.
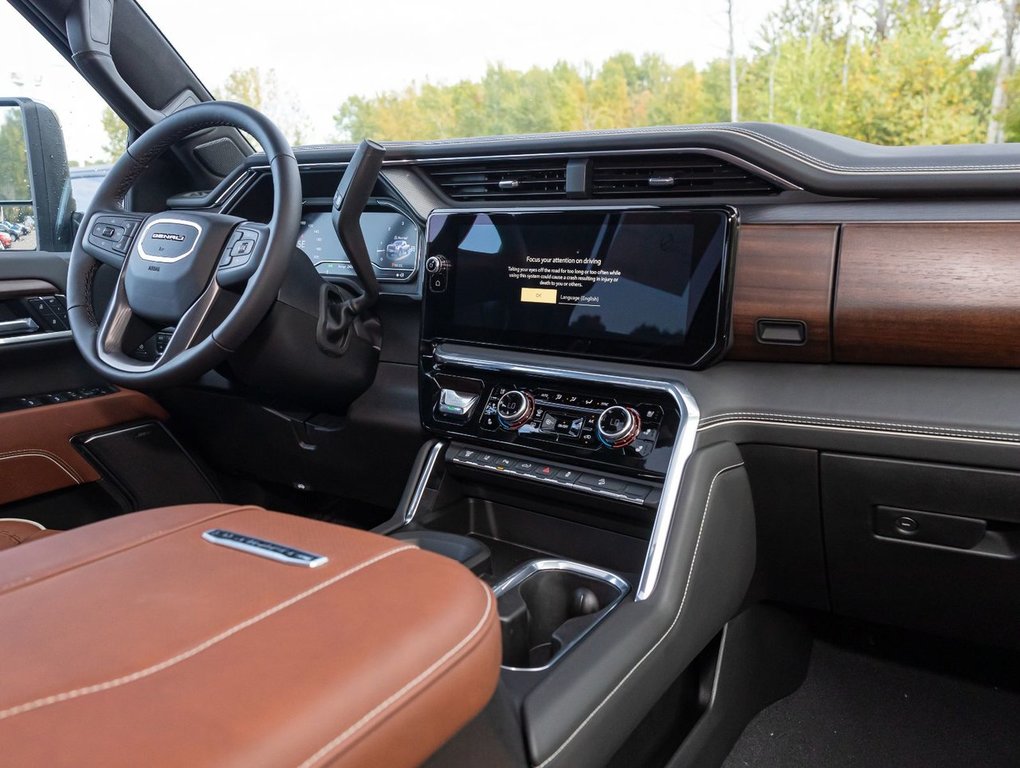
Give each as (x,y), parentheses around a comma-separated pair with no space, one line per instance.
(260,89)
(116,135)
(13,157)
(885,71)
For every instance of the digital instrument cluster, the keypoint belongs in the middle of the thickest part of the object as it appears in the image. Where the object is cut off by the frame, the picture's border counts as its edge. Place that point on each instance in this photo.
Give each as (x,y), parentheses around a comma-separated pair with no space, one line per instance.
(393,242)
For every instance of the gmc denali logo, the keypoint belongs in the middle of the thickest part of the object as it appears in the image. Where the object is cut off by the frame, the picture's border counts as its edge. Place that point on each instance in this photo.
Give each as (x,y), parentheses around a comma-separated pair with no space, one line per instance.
(168,236)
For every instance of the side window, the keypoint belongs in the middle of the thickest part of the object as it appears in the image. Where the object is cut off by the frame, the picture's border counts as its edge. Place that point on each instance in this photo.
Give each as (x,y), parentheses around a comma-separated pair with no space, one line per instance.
(57,141)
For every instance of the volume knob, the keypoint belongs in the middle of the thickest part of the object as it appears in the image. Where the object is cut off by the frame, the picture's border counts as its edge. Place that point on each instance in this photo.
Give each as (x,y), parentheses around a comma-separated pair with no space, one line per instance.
(618,426)
(515,409)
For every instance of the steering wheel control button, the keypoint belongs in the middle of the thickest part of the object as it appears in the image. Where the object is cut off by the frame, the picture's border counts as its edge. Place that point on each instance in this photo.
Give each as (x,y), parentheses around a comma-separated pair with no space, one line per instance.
(243,248)
(112,234)
(515,409)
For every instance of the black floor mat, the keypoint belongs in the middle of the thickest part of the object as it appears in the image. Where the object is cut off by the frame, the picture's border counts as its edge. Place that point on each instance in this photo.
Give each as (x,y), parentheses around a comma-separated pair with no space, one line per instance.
(859,711)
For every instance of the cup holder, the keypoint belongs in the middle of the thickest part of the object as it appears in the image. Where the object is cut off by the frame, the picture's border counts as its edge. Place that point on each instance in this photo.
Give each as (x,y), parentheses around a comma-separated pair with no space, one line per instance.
(547,606)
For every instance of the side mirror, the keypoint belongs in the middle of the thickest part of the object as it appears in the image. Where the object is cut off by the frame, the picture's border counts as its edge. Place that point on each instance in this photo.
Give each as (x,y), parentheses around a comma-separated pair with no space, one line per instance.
(36,204)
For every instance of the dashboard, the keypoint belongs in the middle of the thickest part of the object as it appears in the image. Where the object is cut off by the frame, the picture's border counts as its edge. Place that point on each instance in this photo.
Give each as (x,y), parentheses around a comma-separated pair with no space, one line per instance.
(608,329)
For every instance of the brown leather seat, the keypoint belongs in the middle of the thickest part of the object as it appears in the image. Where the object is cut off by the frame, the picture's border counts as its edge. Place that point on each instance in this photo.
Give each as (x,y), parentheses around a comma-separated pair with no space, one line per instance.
(14,531)
(138,642)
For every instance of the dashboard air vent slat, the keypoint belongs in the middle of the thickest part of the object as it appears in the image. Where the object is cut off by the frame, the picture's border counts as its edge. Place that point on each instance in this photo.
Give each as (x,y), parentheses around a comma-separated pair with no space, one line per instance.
(680,175)
(507,179)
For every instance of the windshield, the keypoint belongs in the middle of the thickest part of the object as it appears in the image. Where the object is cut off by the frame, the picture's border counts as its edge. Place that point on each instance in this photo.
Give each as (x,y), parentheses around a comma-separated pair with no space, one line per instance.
(893,72)
(885,71)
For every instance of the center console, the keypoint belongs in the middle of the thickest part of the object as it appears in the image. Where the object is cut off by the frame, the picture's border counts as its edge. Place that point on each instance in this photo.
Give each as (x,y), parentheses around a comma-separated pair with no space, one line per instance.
(553,345)
(547,459)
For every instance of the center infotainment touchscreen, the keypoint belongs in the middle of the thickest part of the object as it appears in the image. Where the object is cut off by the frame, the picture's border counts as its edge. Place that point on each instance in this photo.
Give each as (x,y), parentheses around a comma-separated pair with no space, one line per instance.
(633,284)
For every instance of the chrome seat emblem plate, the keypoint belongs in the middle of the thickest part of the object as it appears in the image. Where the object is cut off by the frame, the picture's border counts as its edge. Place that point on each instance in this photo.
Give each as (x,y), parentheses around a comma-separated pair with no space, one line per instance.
(270,550)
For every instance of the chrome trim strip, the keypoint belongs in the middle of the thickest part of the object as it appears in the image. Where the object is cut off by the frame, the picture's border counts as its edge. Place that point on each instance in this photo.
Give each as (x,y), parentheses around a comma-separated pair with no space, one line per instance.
(168,259)
(270,550)
(529,569)
(48,336)
(690,416)
(25,324)
(423,479)
(228,192)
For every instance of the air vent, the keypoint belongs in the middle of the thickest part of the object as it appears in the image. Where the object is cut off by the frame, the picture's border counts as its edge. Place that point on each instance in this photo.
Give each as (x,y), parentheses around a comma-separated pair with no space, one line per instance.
(502,179)
(680,175)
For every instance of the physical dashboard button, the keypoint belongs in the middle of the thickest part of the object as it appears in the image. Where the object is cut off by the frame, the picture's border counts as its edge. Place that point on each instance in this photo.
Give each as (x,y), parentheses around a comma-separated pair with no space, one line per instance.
(618,426)
(453,403)
(437,282)
(543,471)
(601,482)
(636,492)
(651,414)
(567,475)
(642,448)
(515,409)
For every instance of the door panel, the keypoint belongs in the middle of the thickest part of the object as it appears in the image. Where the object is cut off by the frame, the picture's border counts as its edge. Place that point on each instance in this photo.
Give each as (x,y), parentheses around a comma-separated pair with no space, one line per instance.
(36,454)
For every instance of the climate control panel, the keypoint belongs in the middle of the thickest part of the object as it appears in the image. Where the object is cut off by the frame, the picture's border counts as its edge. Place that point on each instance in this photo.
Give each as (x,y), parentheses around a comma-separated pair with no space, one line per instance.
(610,426)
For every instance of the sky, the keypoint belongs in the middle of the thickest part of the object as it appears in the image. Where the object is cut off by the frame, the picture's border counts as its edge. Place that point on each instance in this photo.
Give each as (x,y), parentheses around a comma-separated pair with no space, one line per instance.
(323,52)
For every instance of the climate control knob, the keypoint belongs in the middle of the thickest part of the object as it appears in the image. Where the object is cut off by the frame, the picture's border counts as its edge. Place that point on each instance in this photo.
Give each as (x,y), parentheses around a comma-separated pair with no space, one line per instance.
(515,409)
(618,426)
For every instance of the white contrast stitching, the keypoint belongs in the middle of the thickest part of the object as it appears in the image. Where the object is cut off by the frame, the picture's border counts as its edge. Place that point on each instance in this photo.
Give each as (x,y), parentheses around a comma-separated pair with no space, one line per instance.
(68,470)
(148,671)
(371,715)
(721,418)
(125,546)
(683,601)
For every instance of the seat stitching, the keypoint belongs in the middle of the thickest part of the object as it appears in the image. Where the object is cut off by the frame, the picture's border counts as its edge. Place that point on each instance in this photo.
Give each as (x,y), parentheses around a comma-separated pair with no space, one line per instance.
(127,545)
(669,629)
(394,698)
(192,652)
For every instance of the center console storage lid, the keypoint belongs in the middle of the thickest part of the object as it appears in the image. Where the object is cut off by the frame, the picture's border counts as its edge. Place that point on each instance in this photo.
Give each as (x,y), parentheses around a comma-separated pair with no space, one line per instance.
(135,641)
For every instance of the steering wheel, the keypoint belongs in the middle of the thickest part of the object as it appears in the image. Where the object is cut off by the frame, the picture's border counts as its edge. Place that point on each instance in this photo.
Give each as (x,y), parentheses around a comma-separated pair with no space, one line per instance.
(180,268)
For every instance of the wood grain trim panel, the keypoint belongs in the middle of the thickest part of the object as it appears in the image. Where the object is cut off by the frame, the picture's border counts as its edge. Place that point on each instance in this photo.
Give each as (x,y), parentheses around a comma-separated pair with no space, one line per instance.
(929,294)
(12,289)
(784,272)
(35,443)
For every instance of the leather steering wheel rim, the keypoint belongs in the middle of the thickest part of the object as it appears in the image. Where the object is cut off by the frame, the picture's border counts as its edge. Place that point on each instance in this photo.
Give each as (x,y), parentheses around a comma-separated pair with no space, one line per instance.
(198,350)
